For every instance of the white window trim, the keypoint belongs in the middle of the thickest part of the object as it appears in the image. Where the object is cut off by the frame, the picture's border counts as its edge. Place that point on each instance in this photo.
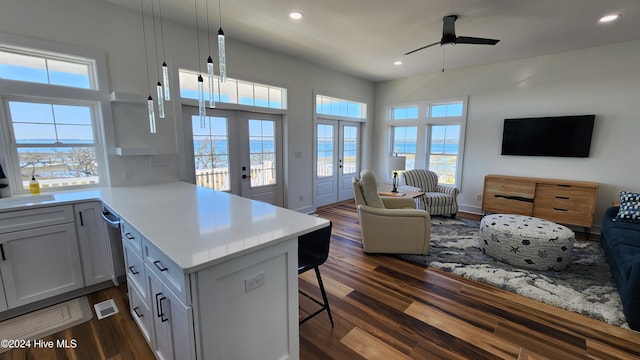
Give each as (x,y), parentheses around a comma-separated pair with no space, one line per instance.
(20,90)
(423,122)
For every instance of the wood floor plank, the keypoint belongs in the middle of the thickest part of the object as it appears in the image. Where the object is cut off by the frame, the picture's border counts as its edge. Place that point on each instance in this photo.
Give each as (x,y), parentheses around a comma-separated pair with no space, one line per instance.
(369,347)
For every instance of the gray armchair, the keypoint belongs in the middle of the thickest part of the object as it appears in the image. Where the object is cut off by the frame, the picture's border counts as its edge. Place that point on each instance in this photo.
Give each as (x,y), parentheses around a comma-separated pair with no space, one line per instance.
(438,199)
(389,224)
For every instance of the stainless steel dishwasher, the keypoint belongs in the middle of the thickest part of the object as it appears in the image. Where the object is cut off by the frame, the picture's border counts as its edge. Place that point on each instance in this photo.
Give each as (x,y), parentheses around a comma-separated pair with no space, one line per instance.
(113,227)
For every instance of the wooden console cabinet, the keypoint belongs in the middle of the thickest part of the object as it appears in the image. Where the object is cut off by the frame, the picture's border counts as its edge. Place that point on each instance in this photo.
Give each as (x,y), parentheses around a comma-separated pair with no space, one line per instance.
(562,201)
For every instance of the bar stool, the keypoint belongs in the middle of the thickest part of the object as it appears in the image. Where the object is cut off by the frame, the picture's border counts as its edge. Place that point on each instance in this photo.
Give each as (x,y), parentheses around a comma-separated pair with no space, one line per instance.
(313,250)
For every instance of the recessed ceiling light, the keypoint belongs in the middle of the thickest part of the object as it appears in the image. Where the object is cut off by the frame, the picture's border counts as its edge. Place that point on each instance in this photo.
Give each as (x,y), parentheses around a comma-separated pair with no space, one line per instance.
(609,18)
(296,15)
(397,62)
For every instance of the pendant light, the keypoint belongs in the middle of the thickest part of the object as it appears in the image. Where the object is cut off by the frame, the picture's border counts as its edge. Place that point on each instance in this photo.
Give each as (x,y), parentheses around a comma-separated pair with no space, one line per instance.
(201,101)
(221,48)
(152,118)
(210,74)
(165,68)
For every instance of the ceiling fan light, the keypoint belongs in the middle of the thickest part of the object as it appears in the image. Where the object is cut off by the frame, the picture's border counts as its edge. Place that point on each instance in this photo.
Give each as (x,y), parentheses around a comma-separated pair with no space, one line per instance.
(609,18)
(448,44)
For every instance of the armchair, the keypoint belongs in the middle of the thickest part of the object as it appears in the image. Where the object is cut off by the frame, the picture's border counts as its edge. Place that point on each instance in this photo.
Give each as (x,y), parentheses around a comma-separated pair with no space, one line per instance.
(389,224)
(438,199)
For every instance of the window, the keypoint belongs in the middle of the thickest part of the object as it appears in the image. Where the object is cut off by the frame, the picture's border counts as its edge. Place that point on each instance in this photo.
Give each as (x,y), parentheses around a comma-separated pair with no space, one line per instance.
(326,105)
(262,152)
(431,136)
(405,142)
(234,91)
(211,152)
(31,66)
(56,135)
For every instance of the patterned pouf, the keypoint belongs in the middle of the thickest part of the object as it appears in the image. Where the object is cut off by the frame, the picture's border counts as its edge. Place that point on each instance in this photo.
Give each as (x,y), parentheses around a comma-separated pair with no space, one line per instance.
(526,242)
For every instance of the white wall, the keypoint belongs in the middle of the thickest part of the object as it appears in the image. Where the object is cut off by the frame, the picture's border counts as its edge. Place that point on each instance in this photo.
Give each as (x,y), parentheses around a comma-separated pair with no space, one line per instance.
(95,24)
(602,81)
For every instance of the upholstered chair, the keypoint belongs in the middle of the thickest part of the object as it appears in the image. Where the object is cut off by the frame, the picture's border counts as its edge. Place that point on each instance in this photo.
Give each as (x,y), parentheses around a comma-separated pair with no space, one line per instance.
(389,224)
(438,199)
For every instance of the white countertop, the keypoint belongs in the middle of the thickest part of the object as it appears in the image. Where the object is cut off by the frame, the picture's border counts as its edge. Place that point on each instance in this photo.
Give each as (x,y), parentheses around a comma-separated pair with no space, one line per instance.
(196,227)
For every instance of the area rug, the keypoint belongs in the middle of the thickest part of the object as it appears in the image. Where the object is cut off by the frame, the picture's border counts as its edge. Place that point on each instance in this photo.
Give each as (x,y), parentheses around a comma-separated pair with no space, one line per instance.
(585,287)
(47,321)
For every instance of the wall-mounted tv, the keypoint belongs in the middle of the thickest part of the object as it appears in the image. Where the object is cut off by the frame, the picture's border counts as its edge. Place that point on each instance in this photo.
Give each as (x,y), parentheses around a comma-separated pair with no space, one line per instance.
(566,136)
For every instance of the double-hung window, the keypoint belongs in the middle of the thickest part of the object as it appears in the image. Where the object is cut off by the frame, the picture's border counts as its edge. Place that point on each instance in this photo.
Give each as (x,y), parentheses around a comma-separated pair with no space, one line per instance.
(51,123)
(430,134)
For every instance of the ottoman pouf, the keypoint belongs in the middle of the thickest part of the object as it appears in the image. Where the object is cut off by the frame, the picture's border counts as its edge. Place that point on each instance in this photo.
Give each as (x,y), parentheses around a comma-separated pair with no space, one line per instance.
(526,241)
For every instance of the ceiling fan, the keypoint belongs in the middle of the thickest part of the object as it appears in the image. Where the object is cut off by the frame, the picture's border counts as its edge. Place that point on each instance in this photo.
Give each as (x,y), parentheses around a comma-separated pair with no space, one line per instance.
(449,37)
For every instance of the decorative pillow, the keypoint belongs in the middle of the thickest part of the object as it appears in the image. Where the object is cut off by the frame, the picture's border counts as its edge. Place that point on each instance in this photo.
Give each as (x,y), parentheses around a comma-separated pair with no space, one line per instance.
(629,207)
(370,189)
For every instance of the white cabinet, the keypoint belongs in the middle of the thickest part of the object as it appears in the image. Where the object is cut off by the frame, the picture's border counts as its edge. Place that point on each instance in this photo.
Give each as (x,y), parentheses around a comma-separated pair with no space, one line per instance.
(173,321)
(153,281)
(40,263)
(95,249)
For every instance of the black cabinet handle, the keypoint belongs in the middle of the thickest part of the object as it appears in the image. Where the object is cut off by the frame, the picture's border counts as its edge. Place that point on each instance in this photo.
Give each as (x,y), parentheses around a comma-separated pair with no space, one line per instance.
(81,220)
(133,270)
(135,310)
(560,209)
(159,310)
(160,266)
(129,236)
(2,251)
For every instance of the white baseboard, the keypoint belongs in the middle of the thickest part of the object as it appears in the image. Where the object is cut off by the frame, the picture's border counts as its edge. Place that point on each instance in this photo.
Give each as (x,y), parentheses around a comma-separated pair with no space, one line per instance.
(306,210)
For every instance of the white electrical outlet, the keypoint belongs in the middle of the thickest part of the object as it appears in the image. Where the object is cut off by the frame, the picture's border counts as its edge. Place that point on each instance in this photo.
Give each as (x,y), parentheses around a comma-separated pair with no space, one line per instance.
(127,174)
(254,282)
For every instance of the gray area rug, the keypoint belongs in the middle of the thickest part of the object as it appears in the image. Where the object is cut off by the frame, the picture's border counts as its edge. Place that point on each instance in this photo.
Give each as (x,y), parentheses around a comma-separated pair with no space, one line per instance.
(585,287)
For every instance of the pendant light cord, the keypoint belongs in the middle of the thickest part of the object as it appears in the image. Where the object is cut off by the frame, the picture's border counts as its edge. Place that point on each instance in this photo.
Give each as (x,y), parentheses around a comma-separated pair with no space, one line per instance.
(208,29)
(195,3)
(161,27)
(155,39)
(144,39)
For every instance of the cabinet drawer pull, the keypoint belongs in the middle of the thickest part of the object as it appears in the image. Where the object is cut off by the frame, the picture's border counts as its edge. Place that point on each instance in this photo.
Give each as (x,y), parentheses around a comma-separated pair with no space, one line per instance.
(560,209)
(81,220)
(135,310)
(562,185)
(129,236)
(563,197)
(160,266)
(133,270)
(2,251)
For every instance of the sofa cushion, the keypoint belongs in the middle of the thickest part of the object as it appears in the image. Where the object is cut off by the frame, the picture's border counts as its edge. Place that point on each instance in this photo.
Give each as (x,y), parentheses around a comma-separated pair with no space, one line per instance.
(369,187)
(629,207)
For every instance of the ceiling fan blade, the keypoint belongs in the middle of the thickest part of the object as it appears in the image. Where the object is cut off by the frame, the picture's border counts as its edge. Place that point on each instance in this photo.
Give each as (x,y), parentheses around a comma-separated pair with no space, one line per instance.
(449,26)
(475,40)
(422,48)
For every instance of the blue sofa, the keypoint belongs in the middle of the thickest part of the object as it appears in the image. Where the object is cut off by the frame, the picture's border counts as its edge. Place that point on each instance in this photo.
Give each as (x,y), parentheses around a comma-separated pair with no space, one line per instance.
(620,241)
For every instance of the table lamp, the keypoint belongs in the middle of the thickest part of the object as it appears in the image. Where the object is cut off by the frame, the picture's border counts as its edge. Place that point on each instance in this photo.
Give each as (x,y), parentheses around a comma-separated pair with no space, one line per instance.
(396,163)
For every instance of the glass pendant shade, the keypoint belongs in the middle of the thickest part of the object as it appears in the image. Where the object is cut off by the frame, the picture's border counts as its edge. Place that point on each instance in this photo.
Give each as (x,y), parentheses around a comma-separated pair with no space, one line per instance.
(152,117)
(212,101)
(165,79)
(201,102)
(221,56)
(160,100)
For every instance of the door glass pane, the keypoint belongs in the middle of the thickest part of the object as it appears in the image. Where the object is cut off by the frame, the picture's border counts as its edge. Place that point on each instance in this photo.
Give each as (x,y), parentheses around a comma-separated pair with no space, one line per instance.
(325,150)
(262,152)
(211,152)
(349,150)
(444,145)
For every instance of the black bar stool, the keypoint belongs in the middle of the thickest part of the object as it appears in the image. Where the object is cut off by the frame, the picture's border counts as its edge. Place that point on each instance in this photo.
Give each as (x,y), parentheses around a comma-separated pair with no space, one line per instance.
(313,250)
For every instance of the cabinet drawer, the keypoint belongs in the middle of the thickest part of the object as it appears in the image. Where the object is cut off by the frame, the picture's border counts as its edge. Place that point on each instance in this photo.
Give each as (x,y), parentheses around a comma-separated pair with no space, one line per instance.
(513,197)
(562,216)
(11,221)
(135,271)
(131,237)
(565,197)
(142,314)
(168,272)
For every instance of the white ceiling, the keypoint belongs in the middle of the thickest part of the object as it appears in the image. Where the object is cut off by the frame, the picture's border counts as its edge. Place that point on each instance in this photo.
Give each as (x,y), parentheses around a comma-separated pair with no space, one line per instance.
(365,37)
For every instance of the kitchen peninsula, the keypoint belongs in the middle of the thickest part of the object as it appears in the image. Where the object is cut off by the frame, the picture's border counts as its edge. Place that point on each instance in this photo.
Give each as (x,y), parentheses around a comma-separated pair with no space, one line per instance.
(211,275)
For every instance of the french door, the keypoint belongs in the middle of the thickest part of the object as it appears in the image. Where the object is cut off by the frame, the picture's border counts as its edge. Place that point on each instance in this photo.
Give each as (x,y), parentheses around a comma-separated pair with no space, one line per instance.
(337,157)
(237,152)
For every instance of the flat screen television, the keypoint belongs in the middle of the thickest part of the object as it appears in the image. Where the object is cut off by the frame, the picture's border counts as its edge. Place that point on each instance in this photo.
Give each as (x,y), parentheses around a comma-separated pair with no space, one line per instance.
(565,136)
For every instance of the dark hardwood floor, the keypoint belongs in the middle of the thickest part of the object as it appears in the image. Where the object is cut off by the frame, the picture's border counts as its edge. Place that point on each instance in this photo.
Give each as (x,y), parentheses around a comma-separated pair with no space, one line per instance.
(386,308)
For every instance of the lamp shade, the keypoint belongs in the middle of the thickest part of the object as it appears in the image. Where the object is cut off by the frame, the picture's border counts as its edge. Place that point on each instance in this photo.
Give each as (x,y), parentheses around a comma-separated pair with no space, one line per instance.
(397,162)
